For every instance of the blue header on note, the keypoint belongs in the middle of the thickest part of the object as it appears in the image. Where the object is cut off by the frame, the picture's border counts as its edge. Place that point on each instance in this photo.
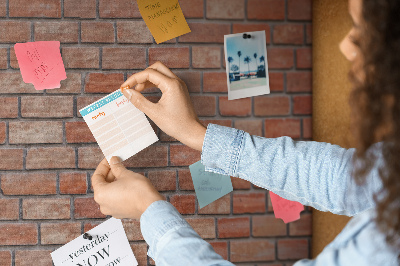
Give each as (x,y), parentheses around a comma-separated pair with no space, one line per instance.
(93,107)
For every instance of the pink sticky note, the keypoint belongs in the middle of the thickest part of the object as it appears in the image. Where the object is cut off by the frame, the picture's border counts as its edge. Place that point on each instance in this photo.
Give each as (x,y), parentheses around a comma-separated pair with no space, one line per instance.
(41,64)
(287,210)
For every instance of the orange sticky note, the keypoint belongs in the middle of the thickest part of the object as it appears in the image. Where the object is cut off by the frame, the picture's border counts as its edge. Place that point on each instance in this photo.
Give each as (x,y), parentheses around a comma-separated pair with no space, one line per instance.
(284,209)
(41,64)
(164,18)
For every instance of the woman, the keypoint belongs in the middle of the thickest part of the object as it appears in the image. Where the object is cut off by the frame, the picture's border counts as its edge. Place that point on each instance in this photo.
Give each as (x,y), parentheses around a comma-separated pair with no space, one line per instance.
(320,175)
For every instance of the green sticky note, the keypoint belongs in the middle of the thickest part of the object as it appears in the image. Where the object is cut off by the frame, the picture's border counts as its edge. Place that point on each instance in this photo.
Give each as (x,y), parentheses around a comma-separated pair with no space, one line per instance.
(209,186)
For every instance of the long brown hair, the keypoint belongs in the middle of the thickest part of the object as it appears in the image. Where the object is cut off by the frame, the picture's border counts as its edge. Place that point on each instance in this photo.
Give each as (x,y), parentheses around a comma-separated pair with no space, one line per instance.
(376,106)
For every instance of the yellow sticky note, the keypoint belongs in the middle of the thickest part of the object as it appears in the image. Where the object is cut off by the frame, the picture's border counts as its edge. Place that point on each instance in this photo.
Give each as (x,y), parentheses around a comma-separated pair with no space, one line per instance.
(164,18)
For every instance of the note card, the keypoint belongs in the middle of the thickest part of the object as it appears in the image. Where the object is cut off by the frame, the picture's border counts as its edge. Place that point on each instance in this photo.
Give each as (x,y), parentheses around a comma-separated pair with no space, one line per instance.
(287,210)
(41,64)
(209,186)
(118,126)
(109,246)
(164,18)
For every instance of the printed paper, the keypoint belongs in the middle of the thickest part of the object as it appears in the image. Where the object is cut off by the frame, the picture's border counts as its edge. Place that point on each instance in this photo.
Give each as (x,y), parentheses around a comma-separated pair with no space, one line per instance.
(108,247)
(164,18)
(287,210)
(41,64)
(118,126)
(209,186)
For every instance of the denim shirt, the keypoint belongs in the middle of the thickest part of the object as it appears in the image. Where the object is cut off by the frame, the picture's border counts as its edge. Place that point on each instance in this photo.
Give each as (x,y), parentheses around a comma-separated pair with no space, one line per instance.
(312,173)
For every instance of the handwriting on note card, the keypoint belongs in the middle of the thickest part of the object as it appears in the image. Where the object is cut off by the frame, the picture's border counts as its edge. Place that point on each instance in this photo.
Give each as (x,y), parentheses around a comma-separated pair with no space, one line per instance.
(164,18)
(284,209)
(41,64)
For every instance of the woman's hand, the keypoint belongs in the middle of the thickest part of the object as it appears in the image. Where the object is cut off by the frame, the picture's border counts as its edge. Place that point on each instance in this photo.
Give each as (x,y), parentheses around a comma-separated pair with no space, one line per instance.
(122,193)
(174,113)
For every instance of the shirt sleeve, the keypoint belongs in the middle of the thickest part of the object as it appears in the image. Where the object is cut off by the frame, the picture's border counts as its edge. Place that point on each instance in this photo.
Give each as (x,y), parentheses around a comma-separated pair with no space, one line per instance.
(313,173)
(172,241)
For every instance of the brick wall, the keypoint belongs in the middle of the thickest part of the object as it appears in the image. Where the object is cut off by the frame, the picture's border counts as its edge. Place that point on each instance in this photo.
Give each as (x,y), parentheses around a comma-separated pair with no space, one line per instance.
(47,153)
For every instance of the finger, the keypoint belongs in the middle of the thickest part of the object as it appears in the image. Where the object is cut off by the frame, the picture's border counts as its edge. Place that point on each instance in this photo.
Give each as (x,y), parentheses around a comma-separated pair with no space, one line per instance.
(110,177)
(151,75)
(100,175)
(160,67)
(140,102)
(117,167)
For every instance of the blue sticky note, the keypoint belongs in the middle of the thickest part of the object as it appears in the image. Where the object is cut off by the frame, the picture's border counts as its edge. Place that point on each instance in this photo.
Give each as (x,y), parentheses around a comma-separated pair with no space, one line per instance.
(209,186)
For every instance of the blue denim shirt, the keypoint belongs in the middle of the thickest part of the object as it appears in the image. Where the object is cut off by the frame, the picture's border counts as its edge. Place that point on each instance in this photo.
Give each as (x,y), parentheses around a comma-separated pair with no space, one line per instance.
(312,173)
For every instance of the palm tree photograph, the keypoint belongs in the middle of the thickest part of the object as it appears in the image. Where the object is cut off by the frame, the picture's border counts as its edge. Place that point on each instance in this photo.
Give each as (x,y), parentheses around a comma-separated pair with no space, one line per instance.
(246,64)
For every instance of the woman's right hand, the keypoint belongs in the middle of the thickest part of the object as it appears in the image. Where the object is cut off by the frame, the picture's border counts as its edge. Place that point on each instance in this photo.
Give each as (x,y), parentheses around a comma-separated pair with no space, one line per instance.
(174,113)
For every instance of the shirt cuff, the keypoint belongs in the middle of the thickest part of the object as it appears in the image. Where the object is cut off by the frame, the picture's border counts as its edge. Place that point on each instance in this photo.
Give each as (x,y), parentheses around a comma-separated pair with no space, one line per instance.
(222,148)
(158,219)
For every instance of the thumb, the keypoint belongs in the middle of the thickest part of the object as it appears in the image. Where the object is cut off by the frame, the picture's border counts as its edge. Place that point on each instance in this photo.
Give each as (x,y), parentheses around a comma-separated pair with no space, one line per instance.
(117,168)
(139,101)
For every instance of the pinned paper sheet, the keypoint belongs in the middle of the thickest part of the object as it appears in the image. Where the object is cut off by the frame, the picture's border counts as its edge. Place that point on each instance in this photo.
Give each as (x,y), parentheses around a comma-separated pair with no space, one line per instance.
(118,126)
(41,64)
(209,186)
(108,246)
(164,18)
(287,210)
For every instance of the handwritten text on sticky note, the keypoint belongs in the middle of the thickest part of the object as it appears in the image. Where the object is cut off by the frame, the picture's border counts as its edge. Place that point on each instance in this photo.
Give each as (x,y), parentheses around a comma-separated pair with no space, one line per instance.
(287,210)
(41,64)
(164,18)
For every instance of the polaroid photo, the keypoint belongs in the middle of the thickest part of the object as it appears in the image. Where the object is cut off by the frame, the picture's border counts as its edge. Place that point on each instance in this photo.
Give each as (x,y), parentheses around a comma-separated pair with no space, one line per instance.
(246,64)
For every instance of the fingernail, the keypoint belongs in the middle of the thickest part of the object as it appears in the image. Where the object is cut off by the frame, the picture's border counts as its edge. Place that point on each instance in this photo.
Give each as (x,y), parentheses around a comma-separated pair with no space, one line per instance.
(115,160)
(125,88)
(130,93)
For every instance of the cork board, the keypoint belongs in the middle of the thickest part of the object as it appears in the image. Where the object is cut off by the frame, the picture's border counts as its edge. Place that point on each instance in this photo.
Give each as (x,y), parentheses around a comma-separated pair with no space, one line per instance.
(331,89)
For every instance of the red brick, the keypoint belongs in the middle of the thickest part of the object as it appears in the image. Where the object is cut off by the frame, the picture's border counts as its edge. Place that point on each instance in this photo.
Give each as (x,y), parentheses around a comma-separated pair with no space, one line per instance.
(206,57)
(309,33)
(50,158)
(282,127)
(132,229)
(35,8)
(292,249)
(72,84)
(221,248)
(59,233)
(81,57)
(11,82)
(252,250)
(133,32)
(29,183)
(266,9)
(97,32)
(78,132)
(233,227)
(173,57)
(2,132)
(5,258)
(280,58)
(9,107)
(267,226)
(307,128)
(239,28)
(302,227)
(73,183)
(80,9)
(83,101)
(248,203)
(12,234)
(185,204)
(153,156)
(26,257)
(163,180)
(192,8)
(35,132)
(205,227)
(124,58)
(87,208)
(220,206)
(302,105)
(140,251)
(185,179)
(15,31)
(103,82)
(48,106)
(90,225)
(225,9)
(270,208)
(238,183)
(3,58)
(9,209)
(89,157)
(215,82)
(206,32)
(304,58)
(299,81)
(3,8)
(14,63)
(118,9)
(224,123)
(11,159)
(240,107)
(289,34)
(253,127)
(181,155)
(191,78)
(204,105)
(63,31)
(299,9)
(271,105)
(46,208)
